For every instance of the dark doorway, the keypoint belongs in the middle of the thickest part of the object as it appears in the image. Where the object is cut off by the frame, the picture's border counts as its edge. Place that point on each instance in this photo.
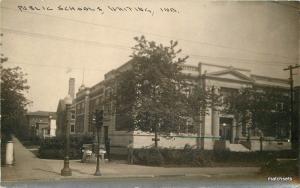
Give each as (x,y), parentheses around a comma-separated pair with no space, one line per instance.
(226,128)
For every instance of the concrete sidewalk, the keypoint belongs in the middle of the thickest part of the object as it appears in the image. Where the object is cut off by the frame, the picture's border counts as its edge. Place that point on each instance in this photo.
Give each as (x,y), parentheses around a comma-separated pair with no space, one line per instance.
(28,167)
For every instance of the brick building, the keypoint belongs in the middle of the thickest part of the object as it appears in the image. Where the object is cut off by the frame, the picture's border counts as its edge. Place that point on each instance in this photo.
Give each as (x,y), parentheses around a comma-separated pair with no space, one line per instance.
(217,130)
(42,123)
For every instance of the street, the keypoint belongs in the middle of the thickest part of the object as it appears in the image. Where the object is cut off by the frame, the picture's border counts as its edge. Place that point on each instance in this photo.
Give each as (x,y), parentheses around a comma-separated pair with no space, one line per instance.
(173,182)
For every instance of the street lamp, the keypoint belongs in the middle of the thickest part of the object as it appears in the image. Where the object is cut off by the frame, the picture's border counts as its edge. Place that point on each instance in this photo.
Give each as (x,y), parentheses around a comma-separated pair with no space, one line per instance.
(98,118)
(66,171)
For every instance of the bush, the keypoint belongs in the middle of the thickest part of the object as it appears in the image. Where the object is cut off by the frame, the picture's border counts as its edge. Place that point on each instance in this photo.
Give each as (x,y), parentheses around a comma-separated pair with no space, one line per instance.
(251,157)
(151,156)
(165,156)
(54,148)
(154,157)
(280,168)
(196,157)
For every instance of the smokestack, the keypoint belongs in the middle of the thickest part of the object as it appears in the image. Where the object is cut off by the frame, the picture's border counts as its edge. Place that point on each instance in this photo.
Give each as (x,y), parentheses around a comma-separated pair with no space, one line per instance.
(72,87)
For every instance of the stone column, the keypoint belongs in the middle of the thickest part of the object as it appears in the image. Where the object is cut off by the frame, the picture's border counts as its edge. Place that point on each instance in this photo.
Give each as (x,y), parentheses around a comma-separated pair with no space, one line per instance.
(215,123)
(207,132)
(239,130)
(233,131)
(215,117)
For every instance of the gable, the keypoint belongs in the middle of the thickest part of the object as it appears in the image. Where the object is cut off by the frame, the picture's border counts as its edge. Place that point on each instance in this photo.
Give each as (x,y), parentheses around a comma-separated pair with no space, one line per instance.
(230,74)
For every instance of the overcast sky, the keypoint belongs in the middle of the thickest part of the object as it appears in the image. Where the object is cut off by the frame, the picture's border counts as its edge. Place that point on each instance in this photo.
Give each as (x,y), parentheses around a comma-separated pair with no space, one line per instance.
(52,46)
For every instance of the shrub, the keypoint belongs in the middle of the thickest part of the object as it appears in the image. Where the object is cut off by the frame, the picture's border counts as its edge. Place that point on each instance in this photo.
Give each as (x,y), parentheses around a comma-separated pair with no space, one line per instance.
(172,156)
(53,148)
(196,157)
(154,157)
(150,156)
(166,156)
(280,168)
(201,158)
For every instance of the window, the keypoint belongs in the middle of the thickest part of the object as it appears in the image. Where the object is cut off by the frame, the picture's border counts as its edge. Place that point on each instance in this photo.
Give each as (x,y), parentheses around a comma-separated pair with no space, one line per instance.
(108,107)
(72,128)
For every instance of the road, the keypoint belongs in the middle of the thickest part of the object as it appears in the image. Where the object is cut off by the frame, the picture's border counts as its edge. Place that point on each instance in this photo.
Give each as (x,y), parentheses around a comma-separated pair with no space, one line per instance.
(173,182)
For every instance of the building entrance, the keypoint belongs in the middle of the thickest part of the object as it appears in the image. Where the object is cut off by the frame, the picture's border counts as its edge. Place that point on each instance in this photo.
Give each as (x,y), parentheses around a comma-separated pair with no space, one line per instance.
(226,128)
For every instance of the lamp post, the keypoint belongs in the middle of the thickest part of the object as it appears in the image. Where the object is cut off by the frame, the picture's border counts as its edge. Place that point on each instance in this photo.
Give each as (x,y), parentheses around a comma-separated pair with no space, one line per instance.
(98,123)
(66,171)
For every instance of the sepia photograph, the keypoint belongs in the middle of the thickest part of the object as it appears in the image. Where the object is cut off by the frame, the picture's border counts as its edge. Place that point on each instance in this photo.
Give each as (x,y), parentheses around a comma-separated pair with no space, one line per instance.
(150,93)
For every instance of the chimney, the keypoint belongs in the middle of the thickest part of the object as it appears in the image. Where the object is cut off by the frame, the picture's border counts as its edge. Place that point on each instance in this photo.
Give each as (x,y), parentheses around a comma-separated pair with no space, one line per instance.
(72,87)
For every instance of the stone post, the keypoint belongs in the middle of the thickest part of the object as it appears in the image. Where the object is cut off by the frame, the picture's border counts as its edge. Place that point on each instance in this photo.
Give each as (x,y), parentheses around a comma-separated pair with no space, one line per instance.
(233,131)
(215,123)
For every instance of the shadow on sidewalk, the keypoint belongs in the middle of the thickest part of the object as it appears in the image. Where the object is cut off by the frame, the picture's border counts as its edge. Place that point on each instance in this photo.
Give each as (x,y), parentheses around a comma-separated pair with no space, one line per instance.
(39,169)
(80,172)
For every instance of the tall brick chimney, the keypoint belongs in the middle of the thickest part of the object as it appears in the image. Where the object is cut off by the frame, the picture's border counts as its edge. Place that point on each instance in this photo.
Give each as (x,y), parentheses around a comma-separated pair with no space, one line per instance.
(72,87)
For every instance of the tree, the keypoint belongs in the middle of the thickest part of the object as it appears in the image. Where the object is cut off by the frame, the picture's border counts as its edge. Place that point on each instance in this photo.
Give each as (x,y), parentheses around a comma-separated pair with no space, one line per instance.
(150,93)
(202,98)
(265,109)
(13,100)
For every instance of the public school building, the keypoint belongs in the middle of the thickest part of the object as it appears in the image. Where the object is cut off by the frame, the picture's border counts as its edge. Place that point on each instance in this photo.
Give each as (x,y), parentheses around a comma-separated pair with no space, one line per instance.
(217,131)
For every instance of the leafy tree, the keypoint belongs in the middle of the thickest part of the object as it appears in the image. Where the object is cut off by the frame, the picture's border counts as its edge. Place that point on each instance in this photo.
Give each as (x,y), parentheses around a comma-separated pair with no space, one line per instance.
(201,99)
(13,100)
(266,109)
(152,93)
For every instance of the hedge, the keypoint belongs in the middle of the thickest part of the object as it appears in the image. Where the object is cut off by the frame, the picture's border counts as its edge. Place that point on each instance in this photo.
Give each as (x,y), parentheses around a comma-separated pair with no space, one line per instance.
(197,157)
(285,168)
(54,148)
(165,156)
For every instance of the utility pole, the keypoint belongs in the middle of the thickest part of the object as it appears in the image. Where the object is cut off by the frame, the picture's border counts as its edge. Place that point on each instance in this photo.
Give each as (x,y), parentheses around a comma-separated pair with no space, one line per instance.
(294,128)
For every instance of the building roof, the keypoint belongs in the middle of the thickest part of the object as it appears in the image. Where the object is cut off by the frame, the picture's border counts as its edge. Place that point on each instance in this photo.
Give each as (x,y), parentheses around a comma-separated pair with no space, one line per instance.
(245,74)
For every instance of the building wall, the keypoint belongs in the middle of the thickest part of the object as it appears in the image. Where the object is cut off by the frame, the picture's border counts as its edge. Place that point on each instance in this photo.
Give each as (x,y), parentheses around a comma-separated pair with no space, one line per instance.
(215,76)
(34,120)
(52,127)
(81,105)
(143,139)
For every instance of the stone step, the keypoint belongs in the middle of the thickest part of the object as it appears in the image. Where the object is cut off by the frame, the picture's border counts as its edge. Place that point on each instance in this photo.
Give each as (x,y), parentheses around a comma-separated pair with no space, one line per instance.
(238,148)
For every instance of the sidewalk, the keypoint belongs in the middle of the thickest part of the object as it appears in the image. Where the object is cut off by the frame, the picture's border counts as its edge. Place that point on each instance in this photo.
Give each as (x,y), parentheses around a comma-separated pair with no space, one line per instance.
(28,167)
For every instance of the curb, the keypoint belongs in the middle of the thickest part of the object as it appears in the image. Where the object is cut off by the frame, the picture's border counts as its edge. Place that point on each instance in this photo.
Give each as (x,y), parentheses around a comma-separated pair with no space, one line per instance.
(92,177)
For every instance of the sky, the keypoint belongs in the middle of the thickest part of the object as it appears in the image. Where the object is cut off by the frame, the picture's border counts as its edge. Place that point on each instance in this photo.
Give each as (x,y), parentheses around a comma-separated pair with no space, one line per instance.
(53,45)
